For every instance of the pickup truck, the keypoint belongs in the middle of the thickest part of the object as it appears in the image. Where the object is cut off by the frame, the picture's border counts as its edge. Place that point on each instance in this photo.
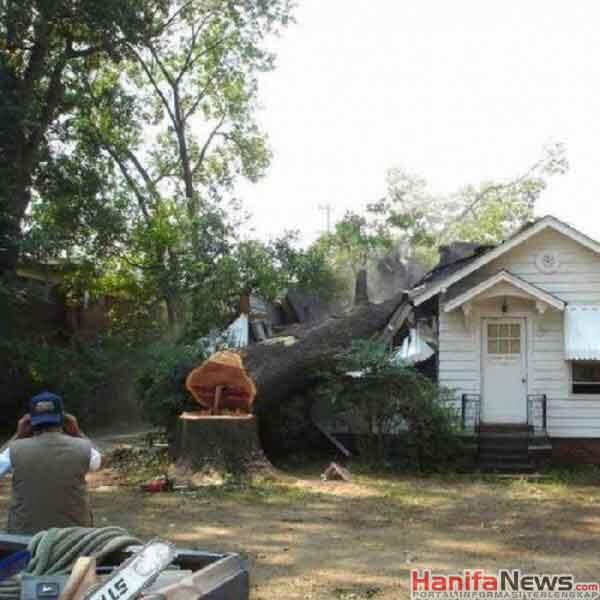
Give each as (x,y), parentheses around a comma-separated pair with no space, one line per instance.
(193,575)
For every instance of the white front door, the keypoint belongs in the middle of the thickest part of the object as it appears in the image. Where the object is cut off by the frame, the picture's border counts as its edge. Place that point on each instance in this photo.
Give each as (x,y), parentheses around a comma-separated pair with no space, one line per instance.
(504,370)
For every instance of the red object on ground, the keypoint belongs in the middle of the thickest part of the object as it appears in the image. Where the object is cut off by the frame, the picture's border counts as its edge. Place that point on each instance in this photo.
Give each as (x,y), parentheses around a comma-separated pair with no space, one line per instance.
(160,484)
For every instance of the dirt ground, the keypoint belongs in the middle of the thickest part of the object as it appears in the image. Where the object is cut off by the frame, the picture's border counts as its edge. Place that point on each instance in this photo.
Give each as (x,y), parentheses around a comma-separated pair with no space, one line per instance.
(306,538)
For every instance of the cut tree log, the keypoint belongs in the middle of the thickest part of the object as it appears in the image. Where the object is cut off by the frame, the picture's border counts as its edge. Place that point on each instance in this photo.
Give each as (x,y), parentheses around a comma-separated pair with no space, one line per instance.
(279,372)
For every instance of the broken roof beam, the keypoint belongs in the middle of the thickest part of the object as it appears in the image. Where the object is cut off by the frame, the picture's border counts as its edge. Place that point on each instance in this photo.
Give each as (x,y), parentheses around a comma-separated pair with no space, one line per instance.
(396,321)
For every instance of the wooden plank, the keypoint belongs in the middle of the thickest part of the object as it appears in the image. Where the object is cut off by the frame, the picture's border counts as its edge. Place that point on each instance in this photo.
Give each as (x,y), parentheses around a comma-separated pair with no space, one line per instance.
(396,321)
(82,578)
(335,442)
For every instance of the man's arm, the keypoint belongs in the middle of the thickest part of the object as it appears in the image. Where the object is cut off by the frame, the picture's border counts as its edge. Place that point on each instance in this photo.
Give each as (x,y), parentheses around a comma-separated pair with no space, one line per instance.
(71,426)
(5,464)
(23,431)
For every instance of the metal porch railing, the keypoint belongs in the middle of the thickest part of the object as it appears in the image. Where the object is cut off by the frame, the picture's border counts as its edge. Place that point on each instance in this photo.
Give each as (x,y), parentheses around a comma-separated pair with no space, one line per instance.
(537,413)
(471,412)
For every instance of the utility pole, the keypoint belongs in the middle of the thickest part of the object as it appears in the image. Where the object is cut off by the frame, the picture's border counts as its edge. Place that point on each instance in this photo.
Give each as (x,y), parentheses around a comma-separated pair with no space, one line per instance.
(327,209)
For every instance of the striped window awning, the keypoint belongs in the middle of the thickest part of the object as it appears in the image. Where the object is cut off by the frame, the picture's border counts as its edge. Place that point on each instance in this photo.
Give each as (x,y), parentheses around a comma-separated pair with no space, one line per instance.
(582,332)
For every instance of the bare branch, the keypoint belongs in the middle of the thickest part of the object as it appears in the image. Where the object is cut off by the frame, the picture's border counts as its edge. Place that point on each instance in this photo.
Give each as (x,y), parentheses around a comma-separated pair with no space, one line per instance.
(130,181)
(143,172)
(188,56)
(199,98)
(161,66)
(172,18)
(480,196)
(207,144)
(155,85)
(162,176)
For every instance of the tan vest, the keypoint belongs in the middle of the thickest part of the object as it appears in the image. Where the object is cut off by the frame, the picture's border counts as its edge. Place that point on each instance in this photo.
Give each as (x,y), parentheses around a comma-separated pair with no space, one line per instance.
(49,488)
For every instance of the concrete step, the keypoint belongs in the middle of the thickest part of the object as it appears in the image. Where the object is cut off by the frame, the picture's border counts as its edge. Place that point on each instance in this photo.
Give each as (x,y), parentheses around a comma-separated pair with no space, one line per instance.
(520,446)
(503,435)
(503,428)
(504,458)
(520,467)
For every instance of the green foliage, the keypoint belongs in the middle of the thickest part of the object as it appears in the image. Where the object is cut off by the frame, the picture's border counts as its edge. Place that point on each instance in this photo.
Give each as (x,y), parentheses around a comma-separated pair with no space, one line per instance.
(82,371)
(161,384)
(487,213)
(46,50)
(145,192)
(354,240)
(387,399)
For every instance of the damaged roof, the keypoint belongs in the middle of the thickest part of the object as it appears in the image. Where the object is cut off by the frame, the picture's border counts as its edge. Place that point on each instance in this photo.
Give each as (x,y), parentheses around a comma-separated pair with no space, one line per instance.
(450,264)
(451,272)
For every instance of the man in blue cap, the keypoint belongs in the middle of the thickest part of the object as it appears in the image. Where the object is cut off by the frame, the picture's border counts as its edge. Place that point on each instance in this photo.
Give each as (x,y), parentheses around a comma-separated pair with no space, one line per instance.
(49,457)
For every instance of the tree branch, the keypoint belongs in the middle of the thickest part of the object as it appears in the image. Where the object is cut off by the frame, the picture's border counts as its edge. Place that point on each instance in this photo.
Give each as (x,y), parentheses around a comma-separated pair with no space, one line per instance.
(130,181)
(207,144)
(36,61)
(480,196)
(188,59)
(172,18)
(200,97)
(161,66)
(155,85)
(54,96)
(142,171)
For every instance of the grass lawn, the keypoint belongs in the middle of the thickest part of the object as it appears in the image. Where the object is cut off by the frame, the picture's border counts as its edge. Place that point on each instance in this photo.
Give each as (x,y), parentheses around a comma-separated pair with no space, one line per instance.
(305,538)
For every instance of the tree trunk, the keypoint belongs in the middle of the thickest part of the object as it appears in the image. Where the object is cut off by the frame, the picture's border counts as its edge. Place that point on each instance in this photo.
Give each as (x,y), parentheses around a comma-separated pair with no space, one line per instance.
(15,198)
(281,371)
(225,444)
(361,291)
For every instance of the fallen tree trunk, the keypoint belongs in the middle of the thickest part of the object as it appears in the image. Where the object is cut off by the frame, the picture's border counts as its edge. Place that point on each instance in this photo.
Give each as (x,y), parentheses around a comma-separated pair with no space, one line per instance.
(281,371)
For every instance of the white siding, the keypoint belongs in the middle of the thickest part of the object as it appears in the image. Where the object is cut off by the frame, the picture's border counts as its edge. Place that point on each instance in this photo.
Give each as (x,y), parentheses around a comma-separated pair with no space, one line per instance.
(576,281)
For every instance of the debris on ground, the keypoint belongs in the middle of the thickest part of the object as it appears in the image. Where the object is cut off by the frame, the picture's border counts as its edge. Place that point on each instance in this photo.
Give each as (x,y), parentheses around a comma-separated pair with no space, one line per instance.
(131,465)
(158,484)
(335,472)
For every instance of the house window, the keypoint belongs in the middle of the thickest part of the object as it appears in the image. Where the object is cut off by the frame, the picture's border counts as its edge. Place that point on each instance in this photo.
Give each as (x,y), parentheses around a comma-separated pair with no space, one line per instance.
(504,338)
(585,376)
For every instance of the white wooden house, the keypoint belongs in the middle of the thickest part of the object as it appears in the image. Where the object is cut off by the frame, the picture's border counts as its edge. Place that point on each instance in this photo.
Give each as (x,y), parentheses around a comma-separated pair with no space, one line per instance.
(519,334)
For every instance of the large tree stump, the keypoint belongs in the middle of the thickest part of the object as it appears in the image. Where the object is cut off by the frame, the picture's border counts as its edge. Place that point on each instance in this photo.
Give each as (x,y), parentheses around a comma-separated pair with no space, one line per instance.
(219,443)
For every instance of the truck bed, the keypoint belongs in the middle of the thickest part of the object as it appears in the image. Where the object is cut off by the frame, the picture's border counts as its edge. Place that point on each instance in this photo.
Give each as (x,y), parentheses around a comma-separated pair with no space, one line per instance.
(214,576)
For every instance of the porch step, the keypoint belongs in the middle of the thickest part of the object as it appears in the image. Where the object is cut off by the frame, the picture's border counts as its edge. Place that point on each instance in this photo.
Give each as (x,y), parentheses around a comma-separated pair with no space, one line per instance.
(496,467)
(498,452)
(504,435)
(504,448)
(509,428)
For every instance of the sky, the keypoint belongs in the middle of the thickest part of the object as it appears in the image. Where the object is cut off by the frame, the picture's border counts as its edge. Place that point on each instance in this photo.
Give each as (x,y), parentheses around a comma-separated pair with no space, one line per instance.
(456,91)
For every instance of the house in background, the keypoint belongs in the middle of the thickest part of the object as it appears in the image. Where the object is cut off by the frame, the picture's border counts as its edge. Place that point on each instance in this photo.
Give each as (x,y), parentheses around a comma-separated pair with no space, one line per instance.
(518,336)
(48,310)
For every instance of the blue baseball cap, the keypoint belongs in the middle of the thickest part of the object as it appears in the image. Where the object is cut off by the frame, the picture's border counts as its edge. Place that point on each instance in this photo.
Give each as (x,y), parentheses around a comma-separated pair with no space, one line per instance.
(46,409)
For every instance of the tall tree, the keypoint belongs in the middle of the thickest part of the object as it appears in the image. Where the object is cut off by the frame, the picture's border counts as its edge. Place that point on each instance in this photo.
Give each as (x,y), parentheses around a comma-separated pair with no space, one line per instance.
(177,120)
(487,213)
(419,221)
(354,240)
(46,46)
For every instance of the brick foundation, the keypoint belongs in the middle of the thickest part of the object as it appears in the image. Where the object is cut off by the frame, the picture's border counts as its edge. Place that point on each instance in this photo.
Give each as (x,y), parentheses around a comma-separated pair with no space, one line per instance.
(576,450)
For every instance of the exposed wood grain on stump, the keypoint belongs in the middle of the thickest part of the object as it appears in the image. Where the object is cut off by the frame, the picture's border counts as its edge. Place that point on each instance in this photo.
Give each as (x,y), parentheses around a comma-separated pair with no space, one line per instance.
(225,444)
